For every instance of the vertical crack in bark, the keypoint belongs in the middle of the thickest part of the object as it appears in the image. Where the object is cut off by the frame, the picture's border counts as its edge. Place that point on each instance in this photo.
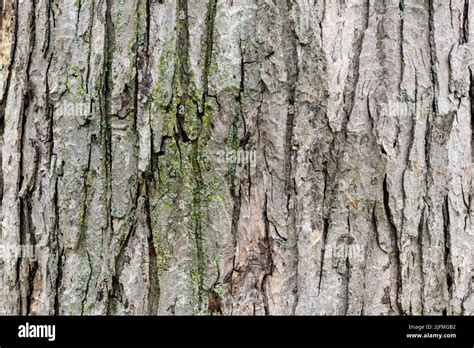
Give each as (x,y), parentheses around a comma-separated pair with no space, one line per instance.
(119,266)
(28,231)
(84,197)
(236,198)
(233,186)
(471,97)
(348,270)
(421,231)
(465,23)
(447,247)
(291,58)
(214,305)
(323,252)
(240,103)
(433,57)
(373,237)
(49,113)
(148,27)
(106,127)
(196,145)
(1,20)
(89,50)
(154,291)
(47,29)
(2,107)
(142,90)
(268,258)
(59,249)
(78,16)
(52,163)
(326,224)
(197,212)
(395,257)
(86,291)
(402,41)
(375,226)
(116,296)
(139,64)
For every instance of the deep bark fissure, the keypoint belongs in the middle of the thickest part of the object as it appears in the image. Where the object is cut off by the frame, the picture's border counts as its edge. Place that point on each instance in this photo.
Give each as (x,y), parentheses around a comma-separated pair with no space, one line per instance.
(447,245)
(465,23)
(106,130)
(86,291)
(395,241)
(291,57)
(323,252)
(154,291)
(421,231)
(268,261)
(58,250)
(471,96)
(402,40)
(87,179)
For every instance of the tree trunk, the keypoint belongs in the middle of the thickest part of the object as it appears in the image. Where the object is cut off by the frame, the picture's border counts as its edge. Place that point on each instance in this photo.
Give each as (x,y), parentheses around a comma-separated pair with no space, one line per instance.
(242,157)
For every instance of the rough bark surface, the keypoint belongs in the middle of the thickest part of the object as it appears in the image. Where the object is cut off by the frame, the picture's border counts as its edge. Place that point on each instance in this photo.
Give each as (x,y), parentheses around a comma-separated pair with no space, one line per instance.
(237,157)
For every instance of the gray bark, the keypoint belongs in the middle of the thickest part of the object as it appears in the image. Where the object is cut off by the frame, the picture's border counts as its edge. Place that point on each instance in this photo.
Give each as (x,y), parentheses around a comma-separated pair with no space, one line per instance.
(237,157)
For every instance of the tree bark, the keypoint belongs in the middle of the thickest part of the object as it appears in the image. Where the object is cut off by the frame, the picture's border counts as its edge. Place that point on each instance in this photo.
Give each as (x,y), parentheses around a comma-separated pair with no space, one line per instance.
(237,157)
